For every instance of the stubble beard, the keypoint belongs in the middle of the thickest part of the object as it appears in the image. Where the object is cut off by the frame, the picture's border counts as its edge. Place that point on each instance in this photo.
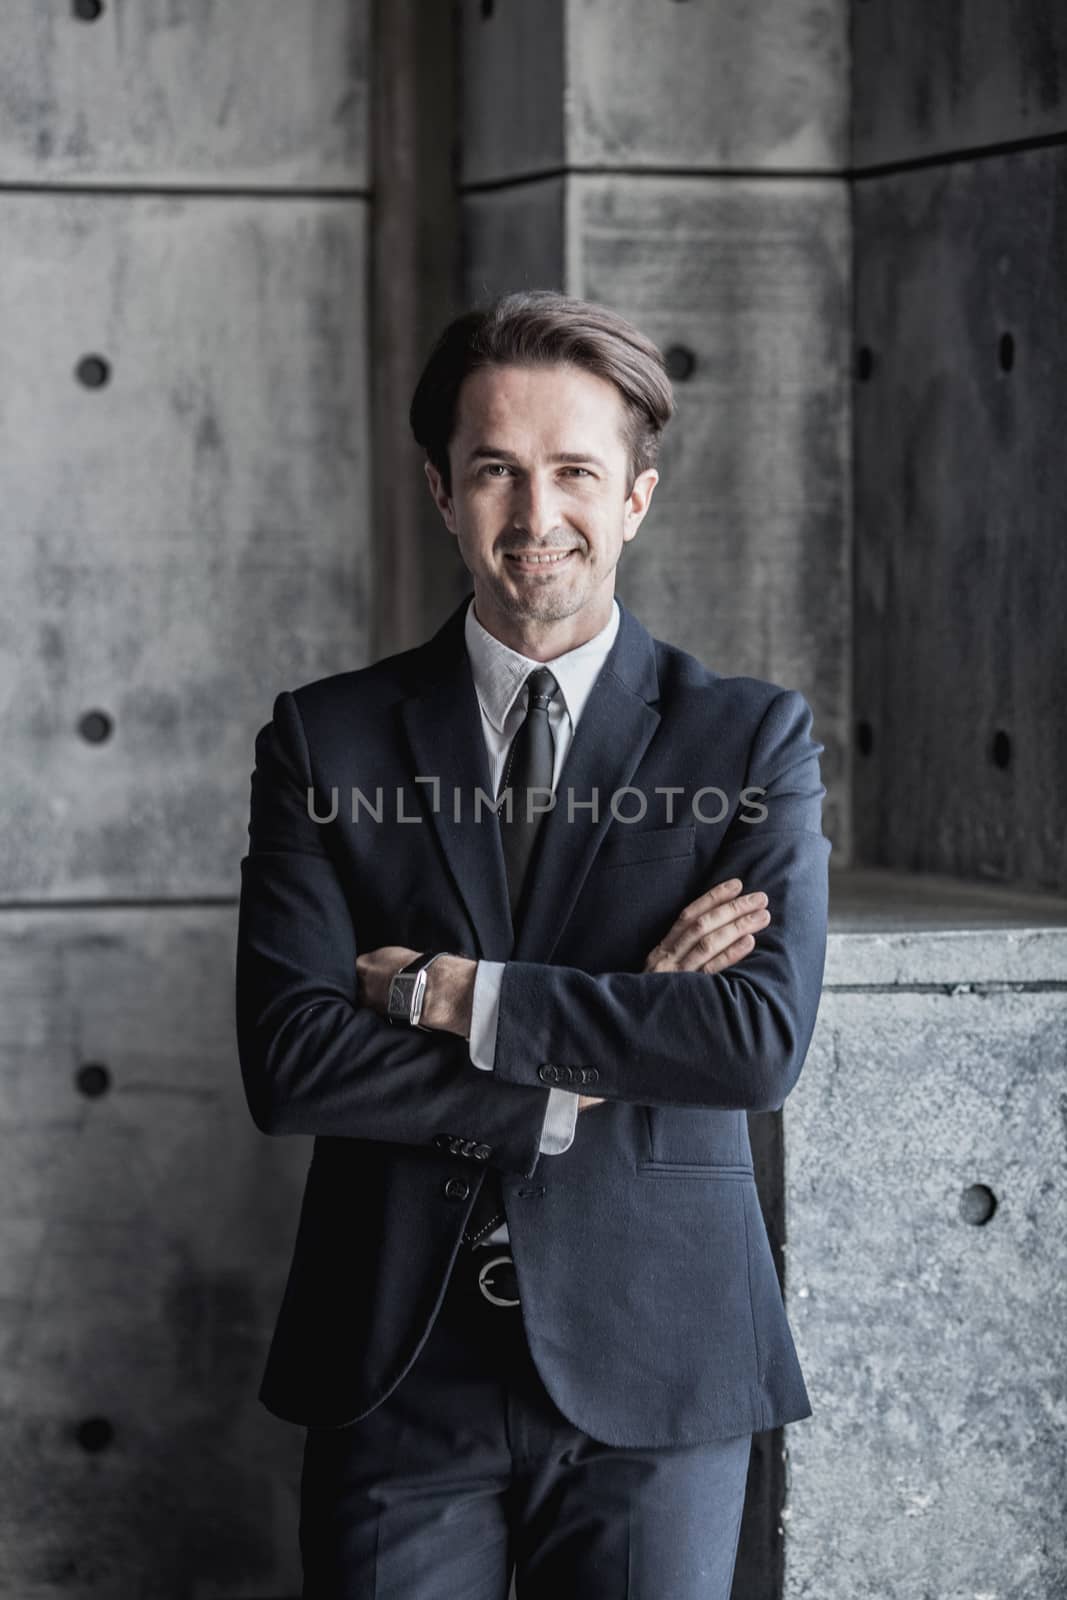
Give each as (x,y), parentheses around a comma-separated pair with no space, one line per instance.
(548,603)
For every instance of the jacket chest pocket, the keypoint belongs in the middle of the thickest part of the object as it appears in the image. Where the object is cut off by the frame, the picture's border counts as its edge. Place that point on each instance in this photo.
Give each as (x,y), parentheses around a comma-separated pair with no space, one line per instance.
(626,844)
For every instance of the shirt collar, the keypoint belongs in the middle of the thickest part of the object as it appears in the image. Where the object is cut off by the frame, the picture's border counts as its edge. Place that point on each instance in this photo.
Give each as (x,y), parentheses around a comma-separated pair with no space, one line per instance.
(500,672)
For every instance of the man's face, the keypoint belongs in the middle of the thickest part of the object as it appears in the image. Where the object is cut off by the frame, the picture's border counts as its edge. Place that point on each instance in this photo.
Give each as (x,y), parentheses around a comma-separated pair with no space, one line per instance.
(514,495)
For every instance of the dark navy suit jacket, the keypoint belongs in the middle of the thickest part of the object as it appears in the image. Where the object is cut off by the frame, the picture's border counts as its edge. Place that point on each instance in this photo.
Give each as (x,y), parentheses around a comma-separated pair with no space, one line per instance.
(648,1288)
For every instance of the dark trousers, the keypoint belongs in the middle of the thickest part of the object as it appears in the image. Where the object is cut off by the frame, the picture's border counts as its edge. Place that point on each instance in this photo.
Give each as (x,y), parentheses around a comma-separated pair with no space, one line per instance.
(468,1472)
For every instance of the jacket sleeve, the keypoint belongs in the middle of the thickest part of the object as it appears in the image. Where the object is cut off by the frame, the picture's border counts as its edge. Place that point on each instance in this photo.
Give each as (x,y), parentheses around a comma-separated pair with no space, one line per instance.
(562,1116)
(734,1040)
(313,1060)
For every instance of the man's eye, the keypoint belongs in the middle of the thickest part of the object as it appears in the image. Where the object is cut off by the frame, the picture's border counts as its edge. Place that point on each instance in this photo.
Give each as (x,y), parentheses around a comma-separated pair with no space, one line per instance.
(502,466)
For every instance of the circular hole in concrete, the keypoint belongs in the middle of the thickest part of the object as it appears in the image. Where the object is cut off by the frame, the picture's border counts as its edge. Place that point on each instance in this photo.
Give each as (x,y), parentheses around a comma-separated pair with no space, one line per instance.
(93,372)
(977,1204)
(95,727)
(95,1433)
(93,1079)
(680,363)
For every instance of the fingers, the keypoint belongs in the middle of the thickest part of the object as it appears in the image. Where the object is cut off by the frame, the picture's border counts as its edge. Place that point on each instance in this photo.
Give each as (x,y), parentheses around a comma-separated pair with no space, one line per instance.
(712,932)
(714,896)
(732,954)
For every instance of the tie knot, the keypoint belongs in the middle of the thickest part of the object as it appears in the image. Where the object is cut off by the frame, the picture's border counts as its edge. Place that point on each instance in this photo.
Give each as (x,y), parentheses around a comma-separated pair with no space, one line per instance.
(541,686)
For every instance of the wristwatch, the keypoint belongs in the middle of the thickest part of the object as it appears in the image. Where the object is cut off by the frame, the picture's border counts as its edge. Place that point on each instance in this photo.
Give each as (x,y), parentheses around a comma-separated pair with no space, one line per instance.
(407,991)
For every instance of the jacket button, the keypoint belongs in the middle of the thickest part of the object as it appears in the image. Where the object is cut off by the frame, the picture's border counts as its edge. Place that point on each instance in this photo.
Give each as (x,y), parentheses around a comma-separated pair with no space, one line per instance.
(457,1189)
(591,1074)
(482,1152)
(441,1140)
(548,1073)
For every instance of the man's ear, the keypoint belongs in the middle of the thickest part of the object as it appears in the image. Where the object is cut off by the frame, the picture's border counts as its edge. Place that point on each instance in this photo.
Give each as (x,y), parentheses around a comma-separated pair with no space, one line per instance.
(638,501)
(441,497)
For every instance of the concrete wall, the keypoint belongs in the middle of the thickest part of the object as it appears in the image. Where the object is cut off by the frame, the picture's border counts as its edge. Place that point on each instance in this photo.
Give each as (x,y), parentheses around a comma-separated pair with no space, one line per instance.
(933,83)
(924,1144)
(416,290)
(926,1196)
(961,335)
(181,541)
(143,1251)
(185,525)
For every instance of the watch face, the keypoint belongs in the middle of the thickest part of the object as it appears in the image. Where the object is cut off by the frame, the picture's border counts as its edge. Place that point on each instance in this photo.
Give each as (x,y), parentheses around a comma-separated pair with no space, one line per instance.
(400,993)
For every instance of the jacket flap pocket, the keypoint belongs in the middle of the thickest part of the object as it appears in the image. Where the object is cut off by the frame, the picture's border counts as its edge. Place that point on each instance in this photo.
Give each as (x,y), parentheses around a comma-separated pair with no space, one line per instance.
(627,842)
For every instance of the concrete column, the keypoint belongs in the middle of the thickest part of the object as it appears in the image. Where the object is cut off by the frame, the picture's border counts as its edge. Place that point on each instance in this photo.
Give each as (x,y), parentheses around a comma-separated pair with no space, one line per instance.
(961,257)
(185,524)
(926,1258)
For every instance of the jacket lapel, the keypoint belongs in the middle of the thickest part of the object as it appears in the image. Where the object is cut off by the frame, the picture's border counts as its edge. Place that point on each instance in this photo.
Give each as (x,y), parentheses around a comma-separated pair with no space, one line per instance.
(443,725)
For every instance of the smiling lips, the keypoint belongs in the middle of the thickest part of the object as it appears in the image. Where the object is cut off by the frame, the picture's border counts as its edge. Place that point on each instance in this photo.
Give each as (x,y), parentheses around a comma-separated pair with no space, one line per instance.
(553,558)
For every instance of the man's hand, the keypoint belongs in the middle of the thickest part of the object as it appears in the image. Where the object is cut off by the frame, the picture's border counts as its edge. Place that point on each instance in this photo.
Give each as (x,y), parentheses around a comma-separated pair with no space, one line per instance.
(711,933)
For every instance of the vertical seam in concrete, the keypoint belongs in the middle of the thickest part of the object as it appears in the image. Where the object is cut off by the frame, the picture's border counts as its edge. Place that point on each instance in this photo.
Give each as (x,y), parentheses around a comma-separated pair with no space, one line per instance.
(565,81)
(848,762)
(847,446)
(569,205)
(414,290)
(568,200)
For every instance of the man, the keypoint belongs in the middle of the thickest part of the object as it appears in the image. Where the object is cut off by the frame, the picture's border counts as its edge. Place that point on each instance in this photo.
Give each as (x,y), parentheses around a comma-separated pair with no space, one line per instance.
(532,1317)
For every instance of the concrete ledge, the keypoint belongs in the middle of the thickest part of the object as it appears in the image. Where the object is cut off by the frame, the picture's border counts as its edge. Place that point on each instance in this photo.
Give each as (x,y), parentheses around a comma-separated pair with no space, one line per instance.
(902,929)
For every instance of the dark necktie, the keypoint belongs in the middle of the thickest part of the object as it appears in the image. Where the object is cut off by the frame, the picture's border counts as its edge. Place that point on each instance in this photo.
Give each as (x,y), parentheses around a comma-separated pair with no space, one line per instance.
(528,774)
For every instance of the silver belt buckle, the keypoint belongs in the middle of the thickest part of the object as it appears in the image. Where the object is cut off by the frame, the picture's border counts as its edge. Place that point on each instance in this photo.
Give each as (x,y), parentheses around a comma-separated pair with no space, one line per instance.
(485,1278)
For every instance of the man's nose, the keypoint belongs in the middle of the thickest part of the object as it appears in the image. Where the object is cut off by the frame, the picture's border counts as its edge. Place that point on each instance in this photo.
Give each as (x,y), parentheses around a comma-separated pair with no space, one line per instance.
(536,505)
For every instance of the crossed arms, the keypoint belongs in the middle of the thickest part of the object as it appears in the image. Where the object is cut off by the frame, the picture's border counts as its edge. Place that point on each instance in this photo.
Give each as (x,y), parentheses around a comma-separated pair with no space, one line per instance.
(316,1059)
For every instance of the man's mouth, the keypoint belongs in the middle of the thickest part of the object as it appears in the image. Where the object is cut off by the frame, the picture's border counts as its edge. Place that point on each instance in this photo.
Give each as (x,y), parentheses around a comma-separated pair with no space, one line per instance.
(552,558)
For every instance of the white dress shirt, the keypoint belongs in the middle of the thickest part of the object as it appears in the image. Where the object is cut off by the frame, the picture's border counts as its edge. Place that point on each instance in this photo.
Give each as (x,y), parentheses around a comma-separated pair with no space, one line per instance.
(499,677)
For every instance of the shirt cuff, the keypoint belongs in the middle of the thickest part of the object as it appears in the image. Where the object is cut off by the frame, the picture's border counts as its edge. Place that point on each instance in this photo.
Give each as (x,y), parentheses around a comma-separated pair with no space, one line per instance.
(561,1115)
(485,1009)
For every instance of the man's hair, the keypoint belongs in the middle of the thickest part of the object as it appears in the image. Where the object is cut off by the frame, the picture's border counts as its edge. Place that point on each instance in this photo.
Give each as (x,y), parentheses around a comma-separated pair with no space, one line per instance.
(539,327)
